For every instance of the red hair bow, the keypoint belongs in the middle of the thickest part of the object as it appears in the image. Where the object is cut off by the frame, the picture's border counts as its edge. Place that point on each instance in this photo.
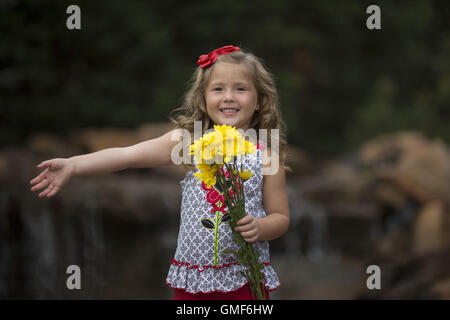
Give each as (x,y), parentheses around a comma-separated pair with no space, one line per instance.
(208,59)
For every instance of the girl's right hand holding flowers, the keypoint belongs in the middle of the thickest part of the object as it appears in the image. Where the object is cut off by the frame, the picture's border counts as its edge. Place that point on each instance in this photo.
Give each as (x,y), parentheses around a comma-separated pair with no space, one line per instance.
(56,174)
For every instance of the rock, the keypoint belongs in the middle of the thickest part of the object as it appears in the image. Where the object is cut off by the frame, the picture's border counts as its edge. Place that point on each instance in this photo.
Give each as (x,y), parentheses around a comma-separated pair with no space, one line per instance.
(335,182)
(97,139)
(4,165)
(51,146)
(442,288)
(153,130)
(119,228)
(16,167)
(298,161)
(429,228)
(386,194)
(307,227)
(413,277)
(415,165)
(340,190)
(327,277)
(351,221)
(396,243)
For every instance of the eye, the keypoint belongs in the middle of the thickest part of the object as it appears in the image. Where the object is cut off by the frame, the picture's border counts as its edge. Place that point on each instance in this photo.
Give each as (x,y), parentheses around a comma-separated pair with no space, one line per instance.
(242,89)
(217,89)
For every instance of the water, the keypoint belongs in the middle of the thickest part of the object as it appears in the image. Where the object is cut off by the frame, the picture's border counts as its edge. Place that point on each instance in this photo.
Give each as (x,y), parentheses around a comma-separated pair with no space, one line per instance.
(308,227)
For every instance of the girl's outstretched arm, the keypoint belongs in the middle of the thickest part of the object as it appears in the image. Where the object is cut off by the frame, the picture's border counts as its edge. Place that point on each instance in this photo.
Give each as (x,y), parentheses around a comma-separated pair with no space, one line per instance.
(151,153)
(154,153)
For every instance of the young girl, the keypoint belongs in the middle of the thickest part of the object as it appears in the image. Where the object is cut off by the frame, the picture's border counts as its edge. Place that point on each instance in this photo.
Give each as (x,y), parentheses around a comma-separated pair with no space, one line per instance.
(229,87)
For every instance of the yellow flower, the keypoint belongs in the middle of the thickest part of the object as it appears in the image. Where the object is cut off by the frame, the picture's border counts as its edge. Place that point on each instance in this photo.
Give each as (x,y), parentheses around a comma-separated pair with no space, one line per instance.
(245,175)
(226,130)
(207,174)
(221,145)
(203,148)
(249,147)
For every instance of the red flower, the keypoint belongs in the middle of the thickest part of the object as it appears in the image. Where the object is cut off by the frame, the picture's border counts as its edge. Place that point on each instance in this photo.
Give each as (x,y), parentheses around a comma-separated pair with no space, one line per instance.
(207,60)
(215,196)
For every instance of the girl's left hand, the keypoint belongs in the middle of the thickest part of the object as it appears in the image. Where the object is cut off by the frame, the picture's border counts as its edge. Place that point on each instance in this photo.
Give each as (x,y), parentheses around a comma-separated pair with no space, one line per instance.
(249,229)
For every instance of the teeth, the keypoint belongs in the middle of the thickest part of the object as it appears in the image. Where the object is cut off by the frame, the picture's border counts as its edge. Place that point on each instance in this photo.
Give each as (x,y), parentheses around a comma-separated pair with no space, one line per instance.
(229,110)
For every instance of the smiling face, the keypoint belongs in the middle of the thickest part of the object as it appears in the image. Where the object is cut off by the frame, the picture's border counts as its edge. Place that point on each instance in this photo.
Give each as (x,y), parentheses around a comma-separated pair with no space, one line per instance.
(230,96)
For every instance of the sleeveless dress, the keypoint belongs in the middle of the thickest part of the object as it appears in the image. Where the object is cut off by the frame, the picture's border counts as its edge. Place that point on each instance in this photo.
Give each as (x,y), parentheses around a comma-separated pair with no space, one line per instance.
(199,264)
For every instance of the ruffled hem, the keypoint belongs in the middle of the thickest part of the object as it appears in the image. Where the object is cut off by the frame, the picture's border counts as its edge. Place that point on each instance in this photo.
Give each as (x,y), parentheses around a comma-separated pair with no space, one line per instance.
(220,291)
(226,278)
(205,267)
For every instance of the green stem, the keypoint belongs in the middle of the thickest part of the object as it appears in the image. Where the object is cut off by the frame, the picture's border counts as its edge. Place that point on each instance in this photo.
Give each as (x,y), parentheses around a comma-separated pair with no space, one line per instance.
(233,183)
(220,178)
(216,239)
(248,256)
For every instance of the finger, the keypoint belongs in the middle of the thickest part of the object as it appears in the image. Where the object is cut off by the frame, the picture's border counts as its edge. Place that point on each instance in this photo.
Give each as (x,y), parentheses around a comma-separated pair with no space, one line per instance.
(244,220)
(251,239)
(249,234)
(39,178)
(246,227)
(44,183)
(53,192)
(51,189)
(46,191)
(45,164)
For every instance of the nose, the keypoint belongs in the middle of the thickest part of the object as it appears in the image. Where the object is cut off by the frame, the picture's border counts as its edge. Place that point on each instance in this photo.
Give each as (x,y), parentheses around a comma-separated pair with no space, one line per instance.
(228,95)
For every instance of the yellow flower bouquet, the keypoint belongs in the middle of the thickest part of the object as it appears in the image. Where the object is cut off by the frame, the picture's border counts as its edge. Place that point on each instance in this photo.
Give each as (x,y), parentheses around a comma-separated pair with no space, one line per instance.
(214,152)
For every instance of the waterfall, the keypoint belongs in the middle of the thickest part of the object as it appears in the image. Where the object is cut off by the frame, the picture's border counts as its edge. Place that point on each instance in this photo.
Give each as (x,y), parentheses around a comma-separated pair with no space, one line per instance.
(308,227)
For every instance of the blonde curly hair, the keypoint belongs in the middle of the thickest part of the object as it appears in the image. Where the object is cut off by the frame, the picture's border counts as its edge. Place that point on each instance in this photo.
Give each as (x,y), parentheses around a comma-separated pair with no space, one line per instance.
(268,116)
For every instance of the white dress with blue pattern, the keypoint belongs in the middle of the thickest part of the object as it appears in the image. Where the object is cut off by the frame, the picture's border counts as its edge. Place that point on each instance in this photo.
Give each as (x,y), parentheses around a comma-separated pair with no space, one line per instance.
(199,265)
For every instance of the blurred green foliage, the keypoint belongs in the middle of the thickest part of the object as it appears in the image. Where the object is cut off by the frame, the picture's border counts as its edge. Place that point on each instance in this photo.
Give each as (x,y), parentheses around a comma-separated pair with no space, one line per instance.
(339,82)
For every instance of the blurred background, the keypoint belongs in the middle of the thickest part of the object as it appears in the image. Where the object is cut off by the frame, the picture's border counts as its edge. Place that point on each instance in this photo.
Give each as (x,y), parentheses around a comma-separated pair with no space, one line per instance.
(367,113)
